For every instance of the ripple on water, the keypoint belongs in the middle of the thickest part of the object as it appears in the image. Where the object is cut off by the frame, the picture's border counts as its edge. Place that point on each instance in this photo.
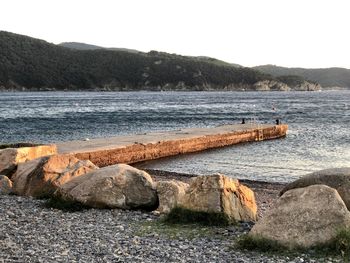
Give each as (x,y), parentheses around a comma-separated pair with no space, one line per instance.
(317,137)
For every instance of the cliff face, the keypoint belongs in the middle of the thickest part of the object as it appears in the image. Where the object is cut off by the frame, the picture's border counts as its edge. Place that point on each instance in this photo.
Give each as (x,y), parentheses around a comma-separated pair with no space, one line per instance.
(272,85)
(268,85)
(308,86)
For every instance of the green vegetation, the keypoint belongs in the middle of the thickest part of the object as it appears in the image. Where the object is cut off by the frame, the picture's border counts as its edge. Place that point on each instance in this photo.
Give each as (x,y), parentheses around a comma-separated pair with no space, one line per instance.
(339,246)
(327,77)
(180,215)
(291,80)
(33,64)
(259,243)
(341,243)
(65,205)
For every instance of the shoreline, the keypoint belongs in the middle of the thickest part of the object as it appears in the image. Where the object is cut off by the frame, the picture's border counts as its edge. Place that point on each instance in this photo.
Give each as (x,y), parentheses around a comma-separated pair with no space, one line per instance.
(31,232)
(160,91)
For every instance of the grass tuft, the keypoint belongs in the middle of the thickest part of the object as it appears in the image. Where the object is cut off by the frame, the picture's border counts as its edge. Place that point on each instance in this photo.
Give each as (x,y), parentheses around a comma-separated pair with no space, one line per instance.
(180,215)
(259,243)
(64,205)
(341,243)
(339,246)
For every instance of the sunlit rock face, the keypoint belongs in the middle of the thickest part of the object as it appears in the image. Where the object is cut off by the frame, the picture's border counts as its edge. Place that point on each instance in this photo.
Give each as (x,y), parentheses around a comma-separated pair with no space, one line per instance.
(221,194)
(10,157)
(268,85)
(42,176)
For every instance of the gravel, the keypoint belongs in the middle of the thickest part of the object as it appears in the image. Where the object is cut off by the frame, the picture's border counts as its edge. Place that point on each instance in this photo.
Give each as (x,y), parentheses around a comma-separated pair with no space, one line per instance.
(30,232)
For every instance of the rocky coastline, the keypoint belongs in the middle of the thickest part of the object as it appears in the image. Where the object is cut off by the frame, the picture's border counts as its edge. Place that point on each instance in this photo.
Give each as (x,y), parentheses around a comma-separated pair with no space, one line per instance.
(265,85)
(30,232)
(120,212)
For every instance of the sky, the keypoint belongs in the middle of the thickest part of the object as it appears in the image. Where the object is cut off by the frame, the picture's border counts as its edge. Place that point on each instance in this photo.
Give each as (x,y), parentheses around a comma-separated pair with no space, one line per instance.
(291,33)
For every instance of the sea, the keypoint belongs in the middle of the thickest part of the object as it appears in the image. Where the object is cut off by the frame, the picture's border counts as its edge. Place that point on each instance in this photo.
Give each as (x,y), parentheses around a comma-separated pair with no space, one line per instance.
(318,136)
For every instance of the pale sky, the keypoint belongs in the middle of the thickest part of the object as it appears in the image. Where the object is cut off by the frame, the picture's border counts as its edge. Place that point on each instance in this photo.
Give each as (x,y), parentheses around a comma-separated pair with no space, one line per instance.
(292,33)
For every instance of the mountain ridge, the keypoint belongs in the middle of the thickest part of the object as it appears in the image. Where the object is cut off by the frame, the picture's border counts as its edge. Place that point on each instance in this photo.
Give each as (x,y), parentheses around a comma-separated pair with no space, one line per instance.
(327,77)
(84,46)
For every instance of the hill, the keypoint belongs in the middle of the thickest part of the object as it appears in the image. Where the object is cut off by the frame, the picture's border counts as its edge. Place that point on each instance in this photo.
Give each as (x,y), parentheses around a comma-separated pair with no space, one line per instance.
(79,46)
(327,77)
(32,64)
(83,46)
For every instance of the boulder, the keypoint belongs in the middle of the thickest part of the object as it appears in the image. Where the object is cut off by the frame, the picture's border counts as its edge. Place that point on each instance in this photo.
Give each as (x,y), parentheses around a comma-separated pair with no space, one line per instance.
(10,157)
(170,194)
(337,178)
(221,194)
(304,217)
(5,185)
(42,176)
(116,186)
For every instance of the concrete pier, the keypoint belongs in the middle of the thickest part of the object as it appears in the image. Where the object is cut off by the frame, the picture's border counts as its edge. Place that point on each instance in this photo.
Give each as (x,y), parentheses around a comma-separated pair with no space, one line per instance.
(142,147)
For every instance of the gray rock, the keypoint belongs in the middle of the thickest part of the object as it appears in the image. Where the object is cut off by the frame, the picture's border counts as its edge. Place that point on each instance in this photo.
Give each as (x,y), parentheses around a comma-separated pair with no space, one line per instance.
(170,194)
(220,194)
(116,186)
(5,185)
(304,217)
(337,178)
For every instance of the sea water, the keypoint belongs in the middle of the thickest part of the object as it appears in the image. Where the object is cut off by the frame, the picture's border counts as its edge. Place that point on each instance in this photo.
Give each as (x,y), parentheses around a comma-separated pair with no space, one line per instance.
(318,136)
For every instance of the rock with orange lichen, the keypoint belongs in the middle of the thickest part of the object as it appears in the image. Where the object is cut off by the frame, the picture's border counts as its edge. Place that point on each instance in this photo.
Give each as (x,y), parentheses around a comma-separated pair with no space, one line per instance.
(220,194)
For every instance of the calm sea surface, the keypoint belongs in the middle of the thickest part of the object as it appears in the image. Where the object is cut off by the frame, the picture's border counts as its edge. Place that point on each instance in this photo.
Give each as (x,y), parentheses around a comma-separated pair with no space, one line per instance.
(318,138)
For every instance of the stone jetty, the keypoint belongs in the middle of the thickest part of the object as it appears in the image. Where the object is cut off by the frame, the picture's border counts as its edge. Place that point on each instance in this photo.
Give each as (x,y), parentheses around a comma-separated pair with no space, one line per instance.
(149,146)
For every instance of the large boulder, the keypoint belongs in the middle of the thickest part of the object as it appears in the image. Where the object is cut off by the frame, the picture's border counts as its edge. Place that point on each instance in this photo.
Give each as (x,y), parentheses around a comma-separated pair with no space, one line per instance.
(10,157)
(5,185)
(337,178)
(304,217)
(116,186)
(42,176)
(221,194)
(170,194)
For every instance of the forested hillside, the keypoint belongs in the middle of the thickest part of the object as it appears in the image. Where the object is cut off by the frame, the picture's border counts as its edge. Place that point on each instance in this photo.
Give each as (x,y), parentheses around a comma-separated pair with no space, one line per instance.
(32,64)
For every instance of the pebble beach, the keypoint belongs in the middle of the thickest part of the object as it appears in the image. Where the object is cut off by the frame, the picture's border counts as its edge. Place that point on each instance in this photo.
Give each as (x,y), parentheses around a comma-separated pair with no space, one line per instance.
(31,232)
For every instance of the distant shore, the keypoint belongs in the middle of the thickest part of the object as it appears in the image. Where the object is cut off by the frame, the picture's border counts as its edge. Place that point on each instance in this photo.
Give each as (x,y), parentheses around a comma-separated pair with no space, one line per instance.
(157,90)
